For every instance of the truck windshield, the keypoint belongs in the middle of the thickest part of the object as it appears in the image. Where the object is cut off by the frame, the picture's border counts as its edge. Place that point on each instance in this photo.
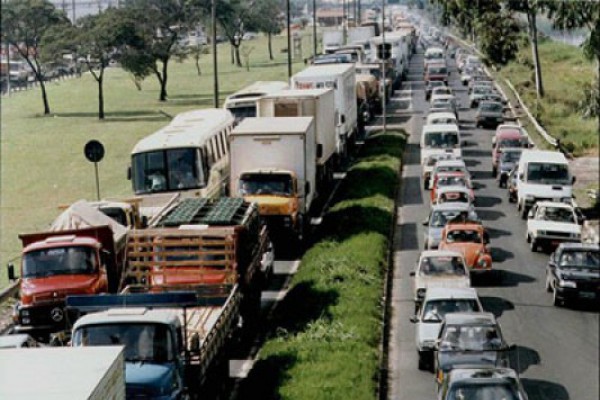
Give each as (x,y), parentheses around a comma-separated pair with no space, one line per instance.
(269,184)
(59,261)
(243,111)
(548,173)
(143,342)
(441,140)
(167,170)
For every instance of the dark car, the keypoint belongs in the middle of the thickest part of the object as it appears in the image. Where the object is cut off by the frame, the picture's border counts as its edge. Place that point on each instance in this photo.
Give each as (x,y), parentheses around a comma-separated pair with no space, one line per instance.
(429,87)
(482,383)
(573,273)
(507,161)
(469,338)
(489,114)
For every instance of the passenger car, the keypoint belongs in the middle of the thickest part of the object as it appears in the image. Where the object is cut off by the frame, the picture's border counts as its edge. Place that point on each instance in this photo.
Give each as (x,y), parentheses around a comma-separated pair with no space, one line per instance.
(573,273)
(550,223)
(429,164)
(507,161)
(489,114)
(482,383)
(469,338)
(453,194)
(506,138)
(478,94)
(440,139)
(430,85)
(444,117)
(439,216)
(437,268)
(445,102)
(448,179)
(437,303)
(471,239)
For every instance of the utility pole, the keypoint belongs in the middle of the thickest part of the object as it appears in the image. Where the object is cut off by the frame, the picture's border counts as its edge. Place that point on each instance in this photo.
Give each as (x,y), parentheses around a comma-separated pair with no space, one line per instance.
(213,21)
(383,99)
(73,10)
(344,20)
(314,29)
(359,14)
(289,39)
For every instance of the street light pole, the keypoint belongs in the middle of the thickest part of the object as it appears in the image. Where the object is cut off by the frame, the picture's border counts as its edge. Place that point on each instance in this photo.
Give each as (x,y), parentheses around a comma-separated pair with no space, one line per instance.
(383,98)
(289,40)
(213,17)
(314,29)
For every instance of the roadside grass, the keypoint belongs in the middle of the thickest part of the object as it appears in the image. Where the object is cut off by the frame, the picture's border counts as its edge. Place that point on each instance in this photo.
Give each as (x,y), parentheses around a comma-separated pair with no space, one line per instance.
(565,71)
(323,342)
(42,162)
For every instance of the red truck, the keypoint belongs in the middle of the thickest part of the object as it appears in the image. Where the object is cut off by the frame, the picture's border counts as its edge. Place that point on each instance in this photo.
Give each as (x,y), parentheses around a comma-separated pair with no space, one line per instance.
(57,263)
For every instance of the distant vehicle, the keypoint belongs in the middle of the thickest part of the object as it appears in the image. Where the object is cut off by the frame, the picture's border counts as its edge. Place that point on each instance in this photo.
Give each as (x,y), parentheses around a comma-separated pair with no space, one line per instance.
(552,223)
(453,194)
(242,103)
(440,139)
(441,90)
(471,239)
(430,85)
(438,302)
(441,118)
(438,268)
(444,102)
(509,158)
(434,54)
(449,179)
(478,94)
(573,273)
(482,383)
(436,72)
(489,114)
(431,161)
(469,338)
(504,139)
(439,216)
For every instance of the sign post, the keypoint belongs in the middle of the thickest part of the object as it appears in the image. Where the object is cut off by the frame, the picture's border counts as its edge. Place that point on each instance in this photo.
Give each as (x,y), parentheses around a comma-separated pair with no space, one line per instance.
(94,152)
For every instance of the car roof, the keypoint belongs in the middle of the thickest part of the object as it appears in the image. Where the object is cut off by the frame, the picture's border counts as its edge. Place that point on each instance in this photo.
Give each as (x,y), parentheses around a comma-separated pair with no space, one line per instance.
(442,96)
(578,246)
(442,128)
(440,253)
(509,134)
(451,206)
(453,188)
(556,204)
(543,156)
(466,318)
(478,374)
(457,162)
(438,293)
(130,315)
(442,114)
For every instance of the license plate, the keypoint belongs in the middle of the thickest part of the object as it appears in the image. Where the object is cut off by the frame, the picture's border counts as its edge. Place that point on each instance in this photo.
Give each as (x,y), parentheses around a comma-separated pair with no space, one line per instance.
(587,295)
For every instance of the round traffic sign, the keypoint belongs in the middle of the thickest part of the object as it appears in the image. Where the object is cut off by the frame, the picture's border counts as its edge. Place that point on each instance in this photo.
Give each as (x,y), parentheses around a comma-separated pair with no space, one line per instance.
(94,151)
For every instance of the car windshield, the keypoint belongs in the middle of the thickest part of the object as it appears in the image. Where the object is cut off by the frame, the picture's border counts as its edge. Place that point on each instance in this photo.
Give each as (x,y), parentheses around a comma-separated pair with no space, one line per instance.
(557,214)
(446,265)
(510,156)
(482,391)
(463,236)
(266,184)
(441,139)
(452,181)
(434,84)
(167,170)
(494,107)
(548,173)
(59,261)
(439,219)
(436,310)
(589,259)
(510,143)
(453,196)
(470,338)
(437,70)
(442,120)
(481,90)
(142,341)
(449,168)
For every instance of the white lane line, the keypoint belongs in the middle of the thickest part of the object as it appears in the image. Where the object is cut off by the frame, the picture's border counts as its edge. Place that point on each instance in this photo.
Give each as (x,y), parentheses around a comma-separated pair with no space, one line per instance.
(240,368)
(273,295)
(285,267)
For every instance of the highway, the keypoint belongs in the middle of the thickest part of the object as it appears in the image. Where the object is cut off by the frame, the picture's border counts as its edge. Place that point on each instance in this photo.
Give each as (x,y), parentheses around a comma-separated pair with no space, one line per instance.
(557,348)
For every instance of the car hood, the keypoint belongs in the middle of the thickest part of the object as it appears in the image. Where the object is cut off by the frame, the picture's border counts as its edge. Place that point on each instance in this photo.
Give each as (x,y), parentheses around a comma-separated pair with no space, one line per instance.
(147,375)
(537,225)
(427,332)
(469,250)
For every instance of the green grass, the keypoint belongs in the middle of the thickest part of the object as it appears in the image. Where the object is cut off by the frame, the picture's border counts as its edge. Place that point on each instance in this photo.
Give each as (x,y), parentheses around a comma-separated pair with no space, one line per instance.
(325,335)
(565,71)
(42,157)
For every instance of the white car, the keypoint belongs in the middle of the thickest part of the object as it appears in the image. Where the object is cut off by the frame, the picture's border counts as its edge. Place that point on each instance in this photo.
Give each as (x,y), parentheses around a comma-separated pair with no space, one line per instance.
(441,90)
(454,194)
(444,117)
(445,101)
(439,268)
(551,223)
(437,303)
(429,164)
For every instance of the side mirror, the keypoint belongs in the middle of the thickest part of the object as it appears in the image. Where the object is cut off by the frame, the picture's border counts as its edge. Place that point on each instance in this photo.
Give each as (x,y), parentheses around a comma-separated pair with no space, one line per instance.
(319,150)
(426,222)
(530,215)
(11,272)
(129,173)
(307,189)
(414,319)
(412,273)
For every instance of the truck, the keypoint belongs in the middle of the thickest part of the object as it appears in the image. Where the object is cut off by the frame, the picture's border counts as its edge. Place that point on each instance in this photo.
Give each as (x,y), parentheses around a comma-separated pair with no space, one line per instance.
(367,97)
(63,373)
(82,253)
(274,163)
(342,79)
(332,39)
(316,103)
(360,34)
(193,281)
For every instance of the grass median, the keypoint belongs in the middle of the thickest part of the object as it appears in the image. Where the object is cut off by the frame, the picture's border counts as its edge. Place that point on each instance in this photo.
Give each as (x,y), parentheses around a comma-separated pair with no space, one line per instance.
(325,335)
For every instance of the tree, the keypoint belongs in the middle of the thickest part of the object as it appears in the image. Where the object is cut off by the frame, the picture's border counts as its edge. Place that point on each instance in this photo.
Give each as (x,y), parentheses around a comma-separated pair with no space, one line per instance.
(236,17)
(24,27)
(267,20)
(98,39)
(160,24)
(498,37)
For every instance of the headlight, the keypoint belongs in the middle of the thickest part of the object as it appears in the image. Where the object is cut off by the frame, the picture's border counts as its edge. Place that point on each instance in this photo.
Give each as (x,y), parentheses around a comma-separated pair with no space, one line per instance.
(567,284)
(24,313)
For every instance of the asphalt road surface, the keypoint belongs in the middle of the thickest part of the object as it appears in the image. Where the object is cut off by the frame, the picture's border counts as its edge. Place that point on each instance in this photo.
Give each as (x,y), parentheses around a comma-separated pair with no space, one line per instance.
(558,348)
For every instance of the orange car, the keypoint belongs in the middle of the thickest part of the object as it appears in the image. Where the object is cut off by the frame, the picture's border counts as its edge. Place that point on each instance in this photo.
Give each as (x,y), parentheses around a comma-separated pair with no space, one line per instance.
(444,179)
(469,238)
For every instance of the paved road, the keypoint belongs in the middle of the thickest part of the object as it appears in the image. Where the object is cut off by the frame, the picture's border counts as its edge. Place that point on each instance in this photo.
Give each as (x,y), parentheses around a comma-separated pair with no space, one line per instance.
(558,347)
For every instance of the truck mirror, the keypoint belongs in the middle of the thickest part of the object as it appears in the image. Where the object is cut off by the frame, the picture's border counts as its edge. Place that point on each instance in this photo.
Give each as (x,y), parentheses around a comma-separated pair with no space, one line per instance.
(11,272)
(342,119)
(319,150)
(129,173)
(414,319)
(412,273)
(307,188)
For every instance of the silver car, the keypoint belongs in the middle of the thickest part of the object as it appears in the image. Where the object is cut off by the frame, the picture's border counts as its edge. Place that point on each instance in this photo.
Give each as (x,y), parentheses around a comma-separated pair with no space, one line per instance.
(439,215)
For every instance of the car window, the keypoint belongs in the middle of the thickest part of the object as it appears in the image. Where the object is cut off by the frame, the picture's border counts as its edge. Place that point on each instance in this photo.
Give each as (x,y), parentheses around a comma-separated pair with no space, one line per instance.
(463,236)
(442,266)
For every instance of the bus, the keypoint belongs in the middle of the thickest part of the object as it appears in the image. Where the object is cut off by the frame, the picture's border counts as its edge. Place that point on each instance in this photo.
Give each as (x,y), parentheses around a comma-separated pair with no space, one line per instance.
(242,103)
(189,157)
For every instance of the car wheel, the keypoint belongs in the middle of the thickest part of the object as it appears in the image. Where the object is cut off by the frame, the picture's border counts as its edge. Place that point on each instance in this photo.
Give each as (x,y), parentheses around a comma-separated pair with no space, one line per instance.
(533,245)
(423,362)
(556,301)
(548,283)
(494,172)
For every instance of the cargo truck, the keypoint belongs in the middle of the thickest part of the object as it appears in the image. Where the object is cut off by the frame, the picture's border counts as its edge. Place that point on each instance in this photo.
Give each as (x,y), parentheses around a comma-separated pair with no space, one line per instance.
(63,373)
(332,39)
(316,103)
(82,253)
(273,163)
(342,79)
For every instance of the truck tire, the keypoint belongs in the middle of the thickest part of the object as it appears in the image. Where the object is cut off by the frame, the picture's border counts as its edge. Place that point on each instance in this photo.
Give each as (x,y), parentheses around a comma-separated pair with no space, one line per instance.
(533,244)
(494,171)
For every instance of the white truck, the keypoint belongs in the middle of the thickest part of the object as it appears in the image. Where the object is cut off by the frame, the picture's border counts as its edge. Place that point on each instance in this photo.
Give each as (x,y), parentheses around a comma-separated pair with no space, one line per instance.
(63,373)
(273,163)
(396,55)
(342,79)
(542,176)
(332,39)
(316,103)
(360,34)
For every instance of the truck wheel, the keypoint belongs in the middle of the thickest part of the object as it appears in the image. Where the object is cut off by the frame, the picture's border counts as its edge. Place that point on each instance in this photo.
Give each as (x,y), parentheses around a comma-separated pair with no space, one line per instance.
(523,213)
(533,245)
(556,301)
(424,363)
(548,284)
(494,172)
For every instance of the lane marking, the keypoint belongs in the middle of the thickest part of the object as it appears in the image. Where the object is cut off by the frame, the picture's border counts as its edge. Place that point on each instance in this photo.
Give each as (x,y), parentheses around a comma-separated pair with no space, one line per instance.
(240,368)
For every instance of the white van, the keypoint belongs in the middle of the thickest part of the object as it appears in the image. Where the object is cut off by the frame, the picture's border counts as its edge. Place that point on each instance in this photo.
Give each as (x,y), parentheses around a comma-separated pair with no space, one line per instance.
(440,139)
(542,176)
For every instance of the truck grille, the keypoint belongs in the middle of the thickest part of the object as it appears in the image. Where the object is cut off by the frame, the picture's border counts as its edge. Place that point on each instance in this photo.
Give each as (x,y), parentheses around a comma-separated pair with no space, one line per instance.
(558,234)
